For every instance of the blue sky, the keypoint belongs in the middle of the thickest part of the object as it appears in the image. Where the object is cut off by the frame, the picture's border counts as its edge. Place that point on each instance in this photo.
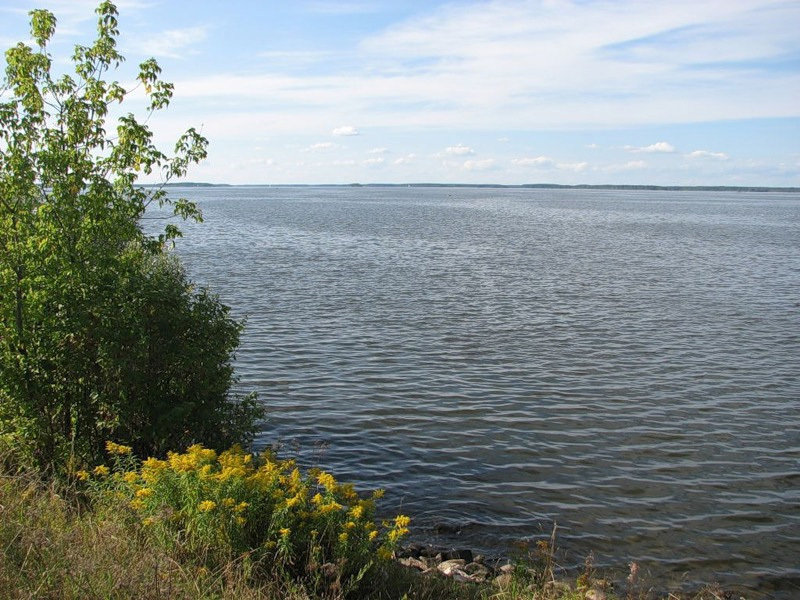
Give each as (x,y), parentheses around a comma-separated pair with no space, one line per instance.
(684,92)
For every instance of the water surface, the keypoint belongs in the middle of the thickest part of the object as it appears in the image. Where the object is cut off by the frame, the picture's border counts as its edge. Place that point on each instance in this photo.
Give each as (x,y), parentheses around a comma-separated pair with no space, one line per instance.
(622,363)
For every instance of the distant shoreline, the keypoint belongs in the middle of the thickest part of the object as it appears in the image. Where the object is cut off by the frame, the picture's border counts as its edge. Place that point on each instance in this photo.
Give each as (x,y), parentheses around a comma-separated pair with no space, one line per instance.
(541,186)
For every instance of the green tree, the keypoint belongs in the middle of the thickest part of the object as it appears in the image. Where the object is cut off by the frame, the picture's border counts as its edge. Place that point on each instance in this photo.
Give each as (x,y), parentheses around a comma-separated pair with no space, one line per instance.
(101,334)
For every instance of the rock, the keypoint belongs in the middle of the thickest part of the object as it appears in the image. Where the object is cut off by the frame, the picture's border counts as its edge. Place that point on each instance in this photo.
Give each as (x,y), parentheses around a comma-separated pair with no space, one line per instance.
(595,595)
(506,568)
(465,555)
(503,581)
(477,571)
(429,561)
(413,563)
(462,577)
(410,551)
(449,566)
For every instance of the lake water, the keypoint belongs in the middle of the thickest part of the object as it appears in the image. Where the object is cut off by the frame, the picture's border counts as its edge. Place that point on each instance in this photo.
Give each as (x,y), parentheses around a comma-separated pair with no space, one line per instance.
(625,364)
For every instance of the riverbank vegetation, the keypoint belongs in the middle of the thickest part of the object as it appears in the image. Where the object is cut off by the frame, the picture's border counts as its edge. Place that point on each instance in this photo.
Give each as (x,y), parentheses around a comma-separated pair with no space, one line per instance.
(204,525)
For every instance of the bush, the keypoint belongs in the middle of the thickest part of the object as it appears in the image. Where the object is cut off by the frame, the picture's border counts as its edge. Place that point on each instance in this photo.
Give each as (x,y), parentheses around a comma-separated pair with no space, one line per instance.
(101,334)
(255,508)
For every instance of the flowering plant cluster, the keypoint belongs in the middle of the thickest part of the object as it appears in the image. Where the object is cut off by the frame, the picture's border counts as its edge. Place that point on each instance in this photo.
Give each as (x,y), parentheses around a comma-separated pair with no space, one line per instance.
(236,504)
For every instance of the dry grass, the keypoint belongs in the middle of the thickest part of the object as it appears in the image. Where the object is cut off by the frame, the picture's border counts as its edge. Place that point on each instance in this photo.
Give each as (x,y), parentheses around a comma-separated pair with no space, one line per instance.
(52,549)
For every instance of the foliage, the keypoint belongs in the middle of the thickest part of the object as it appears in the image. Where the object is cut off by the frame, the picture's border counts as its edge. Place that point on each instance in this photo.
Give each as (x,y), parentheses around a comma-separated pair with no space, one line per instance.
(54,546)
(101,335)
(256,508)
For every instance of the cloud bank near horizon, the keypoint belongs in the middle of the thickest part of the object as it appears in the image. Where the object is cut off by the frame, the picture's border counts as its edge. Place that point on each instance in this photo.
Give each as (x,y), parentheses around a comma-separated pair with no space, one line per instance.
(465,91)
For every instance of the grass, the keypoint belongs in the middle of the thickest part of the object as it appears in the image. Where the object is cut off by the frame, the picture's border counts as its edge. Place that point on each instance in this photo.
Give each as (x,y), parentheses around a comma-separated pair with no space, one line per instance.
(57,544)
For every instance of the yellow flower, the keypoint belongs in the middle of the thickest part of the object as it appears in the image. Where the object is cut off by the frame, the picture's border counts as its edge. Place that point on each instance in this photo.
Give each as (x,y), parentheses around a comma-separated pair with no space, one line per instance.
(384,553)
(396,534)
(148,521)
(327,481)
(206,506)
(357,511)
(348,490)
(317,499)
(240,521)
(113,448)
(228,502)
(137,504)
(329,508)
(154,464)
(100,470)
(401,521)
(241,507)
(144,492)
(373,535)
(343,537)
(349,525)
(130,477)
(292,502)
(285,532)
(82,475)
(377,494)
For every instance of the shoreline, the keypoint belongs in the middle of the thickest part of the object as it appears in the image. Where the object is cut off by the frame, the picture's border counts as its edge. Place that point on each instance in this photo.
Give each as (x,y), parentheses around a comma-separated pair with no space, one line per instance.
(522,186)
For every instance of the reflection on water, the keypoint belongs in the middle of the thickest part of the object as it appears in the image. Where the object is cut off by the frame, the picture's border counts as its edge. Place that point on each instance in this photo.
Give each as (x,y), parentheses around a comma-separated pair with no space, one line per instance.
(622,363)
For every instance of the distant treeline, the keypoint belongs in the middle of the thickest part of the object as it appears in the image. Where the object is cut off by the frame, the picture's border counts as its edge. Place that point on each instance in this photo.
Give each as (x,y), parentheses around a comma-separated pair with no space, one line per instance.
(540,186)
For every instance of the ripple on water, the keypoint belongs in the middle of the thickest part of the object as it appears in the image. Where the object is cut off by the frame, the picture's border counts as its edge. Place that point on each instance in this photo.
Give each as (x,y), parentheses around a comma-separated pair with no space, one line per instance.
(621,363)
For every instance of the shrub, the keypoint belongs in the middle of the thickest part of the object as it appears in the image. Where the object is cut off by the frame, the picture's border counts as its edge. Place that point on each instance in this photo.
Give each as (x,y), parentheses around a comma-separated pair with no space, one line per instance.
(101,334)
(257,508)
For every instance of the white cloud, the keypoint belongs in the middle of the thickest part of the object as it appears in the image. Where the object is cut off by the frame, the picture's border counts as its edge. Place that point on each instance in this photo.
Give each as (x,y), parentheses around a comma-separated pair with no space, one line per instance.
(664,147)
(707,154)
(545,162)
(487,164)
(459,150)
(408,159)
(319,146)
(347,130)
(173,43)
(578,167)
(591,146)
(378,151)
(539,161)
(490,66)
(633,165)
(374,162)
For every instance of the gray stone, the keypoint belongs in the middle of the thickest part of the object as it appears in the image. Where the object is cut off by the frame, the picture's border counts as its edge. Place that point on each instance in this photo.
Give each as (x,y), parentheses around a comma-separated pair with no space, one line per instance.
(462,577)
(465,555)
(449,566)
(414,563)
(410,551)
(595,595)
(477,571)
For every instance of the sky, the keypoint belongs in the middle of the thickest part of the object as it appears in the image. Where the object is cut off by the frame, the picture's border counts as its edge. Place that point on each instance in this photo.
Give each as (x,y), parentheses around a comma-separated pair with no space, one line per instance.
(684,92)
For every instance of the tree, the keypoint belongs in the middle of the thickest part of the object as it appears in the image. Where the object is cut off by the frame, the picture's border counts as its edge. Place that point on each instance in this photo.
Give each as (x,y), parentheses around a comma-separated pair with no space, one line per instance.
(101,333)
